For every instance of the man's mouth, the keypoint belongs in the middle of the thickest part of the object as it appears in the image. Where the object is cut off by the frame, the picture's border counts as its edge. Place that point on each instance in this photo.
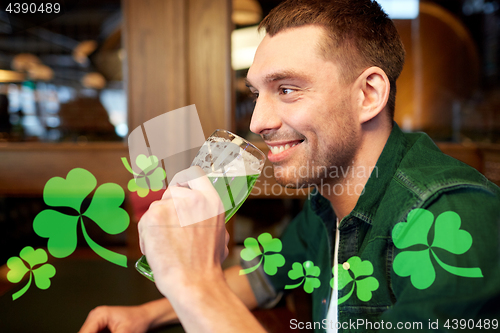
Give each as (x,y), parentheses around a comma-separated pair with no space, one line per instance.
(279,148)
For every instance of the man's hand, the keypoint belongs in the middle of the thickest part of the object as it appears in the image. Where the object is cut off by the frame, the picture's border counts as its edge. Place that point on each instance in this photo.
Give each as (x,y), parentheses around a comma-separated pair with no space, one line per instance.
(118,319)
(137,319)
(184,239)
(183,235)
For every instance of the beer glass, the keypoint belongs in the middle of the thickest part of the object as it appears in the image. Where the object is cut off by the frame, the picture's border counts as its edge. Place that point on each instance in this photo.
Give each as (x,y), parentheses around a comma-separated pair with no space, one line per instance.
(233,165)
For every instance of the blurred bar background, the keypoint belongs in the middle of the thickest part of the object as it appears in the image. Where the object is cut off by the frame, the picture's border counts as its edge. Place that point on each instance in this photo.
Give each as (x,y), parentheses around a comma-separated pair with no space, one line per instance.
(74,84)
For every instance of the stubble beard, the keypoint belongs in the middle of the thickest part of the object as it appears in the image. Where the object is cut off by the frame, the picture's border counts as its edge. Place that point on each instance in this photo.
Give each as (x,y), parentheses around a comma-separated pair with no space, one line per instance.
(338,155)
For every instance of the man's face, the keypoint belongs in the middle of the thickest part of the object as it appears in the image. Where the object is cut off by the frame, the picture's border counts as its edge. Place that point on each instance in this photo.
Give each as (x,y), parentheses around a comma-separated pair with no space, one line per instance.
(302,111)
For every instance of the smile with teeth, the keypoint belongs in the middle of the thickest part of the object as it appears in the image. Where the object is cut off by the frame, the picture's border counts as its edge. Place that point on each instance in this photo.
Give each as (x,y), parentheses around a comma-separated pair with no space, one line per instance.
(280,149)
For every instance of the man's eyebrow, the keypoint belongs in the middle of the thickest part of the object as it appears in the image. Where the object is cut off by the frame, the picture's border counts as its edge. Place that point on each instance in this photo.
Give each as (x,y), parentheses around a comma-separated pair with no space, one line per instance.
(283,76)
(277,76)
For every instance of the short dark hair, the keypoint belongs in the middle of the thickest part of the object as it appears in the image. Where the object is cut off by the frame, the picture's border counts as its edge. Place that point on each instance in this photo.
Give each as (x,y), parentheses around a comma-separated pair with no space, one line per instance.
(360,35)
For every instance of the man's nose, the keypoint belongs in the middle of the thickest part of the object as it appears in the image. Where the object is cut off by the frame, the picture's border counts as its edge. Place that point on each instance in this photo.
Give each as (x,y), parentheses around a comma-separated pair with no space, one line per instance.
(265,116)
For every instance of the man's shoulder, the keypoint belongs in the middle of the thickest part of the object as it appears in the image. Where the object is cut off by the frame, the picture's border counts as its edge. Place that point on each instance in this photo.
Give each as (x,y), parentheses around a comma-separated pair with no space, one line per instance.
(425,170)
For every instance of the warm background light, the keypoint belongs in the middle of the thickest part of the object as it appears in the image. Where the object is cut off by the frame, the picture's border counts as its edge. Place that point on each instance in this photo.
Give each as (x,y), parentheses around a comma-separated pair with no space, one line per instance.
(246,12)
(11,76)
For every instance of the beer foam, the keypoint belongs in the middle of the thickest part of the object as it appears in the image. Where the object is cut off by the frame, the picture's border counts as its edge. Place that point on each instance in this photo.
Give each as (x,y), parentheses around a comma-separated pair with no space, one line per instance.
(220,156)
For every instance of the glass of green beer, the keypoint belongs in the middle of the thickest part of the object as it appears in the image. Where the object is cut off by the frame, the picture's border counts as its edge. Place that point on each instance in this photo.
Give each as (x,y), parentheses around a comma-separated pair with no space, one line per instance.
(233,165)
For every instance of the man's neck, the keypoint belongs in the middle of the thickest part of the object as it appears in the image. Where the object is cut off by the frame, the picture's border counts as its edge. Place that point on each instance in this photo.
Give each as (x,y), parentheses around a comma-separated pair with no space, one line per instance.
(345,194)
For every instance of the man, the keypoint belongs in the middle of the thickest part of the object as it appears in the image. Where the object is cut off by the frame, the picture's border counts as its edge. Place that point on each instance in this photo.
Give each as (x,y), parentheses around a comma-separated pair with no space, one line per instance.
(401,234)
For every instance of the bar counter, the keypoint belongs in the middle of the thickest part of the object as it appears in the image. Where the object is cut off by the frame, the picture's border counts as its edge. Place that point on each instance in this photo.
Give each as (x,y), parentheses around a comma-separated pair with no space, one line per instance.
(81,284)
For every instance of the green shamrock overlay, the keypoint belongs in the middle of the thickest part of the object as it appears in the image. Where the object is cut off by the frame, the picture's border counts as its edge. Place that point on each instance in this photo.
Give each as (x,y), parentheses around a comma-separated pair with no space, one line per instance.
(363,282)
(269,244)
(104,210)
(151,177)
(309,274)
(41,274)
(447,236)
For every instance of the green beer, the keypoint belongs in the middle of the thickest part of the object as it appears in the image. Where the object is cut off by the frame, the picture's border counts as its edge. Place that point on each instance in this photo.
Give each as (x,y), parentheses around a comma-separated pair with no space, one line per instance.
(233,191)
(233,165)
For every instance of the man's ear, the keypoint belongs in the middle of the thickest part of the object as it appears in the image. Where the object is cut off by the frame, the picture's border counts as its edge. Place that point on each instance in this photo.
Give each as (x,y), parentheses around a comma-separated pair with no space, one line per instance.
(372,92)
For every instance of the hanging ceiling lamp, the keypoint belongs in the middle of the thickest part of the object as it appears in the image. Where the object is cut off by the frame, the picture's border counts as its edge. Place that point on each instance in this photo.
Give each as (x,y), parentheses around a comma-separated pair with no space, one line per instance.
(22,62)
(11,76)
(82,51)
(246,12)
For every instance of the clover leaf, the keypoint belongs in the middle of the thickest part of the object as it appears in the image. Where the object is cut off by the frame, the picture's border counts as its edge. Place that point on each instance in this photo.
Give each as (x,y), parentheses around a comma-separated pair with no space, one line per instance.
(151,177)
(271,260)
(363,282)
(41,273)
(104,209)
(447,235)
(309,274)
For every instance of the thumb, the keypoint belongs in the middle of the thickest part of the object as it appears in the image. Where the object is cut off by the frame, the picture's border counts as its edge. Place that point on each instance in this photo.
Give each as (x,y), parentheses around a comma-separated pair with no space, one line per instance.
(94,323)
(91,327)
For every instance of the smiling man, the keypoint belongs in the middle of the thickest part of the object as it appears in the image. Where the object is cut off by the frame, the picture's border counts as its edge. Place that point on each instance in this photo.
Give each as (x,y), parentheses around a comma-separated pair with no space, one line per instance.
(417,248)
(303,102)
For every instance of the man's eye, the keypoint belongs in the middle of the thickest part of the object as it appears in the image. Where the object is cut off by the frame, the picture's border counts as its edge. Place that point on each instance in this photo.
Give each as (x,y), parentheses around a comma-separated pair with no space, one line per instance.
(286,91)
(255,95)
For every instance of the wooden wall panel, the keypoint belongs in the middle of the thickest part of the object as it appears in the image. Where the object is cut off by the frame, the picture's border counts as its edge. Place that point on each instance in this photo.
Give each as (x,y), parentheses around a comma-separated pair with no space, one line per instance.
(209,67)
(178,53)
(154,35)
(408,108)
(26,167)
(441,72)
